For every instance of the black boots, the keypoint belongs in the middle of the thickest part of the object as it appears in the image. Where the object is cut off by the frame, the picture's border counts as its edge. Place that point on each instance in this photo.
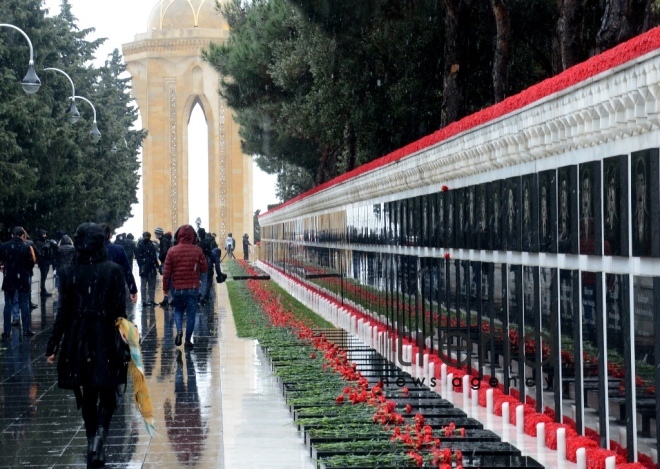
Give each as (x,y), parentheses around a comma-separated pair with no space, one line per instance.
(95,449)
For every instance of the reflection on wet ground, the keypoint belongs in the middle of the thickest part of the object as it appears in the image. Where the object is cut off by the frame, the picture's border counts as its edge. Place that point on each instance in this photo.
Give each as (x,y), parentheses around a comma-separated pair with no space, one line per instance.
(41,427)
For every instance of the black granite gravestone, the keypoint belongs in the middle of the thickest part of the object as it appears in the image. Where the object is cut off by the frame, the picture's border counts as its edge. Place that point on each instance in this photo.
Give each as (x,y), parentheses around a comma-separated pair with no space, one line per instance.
(512,213)
(548,211)
(495,238)
(615,205)
(590,226)
(645,192)
(567,221)
(530,213)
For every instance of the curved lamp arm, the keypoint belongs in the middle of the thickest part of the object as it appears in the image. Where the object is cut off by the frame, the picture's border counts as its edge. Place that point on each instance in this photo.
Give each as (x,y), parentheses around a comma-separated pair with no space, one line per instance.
(75,115)
(96,135)
(31,82)
(73,87)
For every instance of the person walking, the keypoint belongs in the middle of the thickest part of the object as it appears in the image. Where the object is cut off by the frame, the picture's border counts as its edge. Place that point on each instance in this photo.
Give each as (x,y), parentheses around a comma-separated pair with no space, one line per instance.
(117,255)
(165,240)
(45,255)
(18,262)
(246,247)
(230,245)
(207,244)
(92,298)
(65,256)
(147,259)
(181,280)
(129,247)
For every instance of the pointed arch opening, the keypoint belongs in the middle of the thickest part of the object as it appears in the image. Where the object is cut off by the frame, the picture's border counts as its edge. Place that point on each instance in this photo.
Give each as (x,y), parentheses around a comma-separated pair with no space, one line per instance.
(198,166)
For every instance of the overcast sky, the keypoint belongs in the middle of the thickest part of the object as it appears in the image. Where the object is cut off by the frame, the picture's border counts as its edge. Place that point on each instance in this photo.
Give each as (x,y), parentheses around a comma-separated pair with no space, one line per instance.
(119,21)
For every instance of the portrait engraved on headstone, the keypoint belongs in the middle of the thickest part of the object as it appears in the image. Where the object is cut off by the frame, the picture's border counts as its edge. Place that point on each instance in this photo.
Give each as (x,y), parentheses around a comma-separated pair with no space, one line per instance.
(460,228)
(471,224)
(567,207)
(513,215)
(482,229)
(450,222)
(641,212)
(612,218)
(547,211)
(645,193)
(440,219)
(530,213)
(495,239)
(591,231)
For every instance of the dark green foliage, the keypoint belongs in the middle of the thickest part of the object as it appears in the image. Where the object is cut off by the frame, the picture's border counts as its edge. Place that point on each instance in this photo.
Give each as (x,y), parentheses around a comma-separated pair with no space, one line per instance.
(320,87)
(53,175)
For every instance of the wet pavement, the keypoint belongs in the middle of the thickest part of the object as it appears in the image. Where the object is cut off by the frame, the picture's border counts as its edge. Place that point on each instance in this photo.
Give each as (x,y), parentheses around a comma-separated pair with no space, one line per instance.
(41,427)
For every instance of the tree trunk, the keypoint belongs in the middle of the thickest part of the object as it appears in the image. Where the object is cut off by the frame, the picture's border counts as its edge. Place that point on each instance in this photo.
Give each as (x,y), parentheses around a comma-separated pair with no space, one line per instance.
(502,49)
(327,166)
(452,89)
(622,20)
(569,30)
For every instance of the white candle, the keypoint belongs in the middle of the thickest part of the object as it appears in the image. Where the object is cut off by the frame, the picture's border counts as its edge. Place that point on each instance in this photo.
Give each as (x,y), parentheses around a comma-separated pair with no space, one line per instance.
(561,444)
(540,437)
(466,386)
(490,401)
(505,413)
(581,455)
(520,419)
(450,378)
(432,375)
(443,373)
(610,463)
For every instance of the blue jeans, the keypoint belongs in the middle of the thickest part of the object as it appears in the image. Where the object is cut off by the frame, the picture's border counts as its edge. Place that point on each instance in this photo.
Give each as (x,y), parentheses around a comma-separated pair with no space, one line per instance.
(24,306)
(185,300)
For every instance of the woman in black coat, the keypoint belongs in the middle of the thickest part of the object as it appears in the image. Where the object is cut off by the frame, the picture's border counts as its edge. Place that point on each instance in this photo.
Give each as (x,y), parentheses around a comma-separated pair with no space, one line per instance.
(92,297)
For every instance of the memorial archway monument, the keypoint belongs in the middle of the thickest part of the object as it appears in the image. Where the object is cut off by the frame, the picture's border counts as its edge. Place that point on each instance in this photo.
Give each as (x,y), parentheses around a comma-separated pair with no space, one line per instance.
(169,79)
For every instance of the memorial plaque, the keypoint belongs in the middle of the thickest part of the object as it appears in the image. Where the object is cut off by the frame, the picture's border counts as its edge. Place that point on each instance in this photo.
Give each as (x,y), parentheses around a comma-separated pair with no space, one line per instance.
(495,215)
(440,225)
(567,222)
(589,310)
(590,213)
(512,213)
(482,241)
(530,213)
(566,316)
(615,314)
(460,217)
(615,203)
(471,217)
(449,219)
(548,211)
(645,203)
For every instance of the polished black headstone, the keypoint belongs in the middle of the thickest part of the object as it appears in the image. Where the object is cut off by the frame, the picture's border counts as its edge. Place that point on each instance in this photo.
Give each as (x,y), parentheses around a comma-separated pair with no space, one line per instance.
(440,219)
(460,218)
(530,213)
(449,205)
(496,234)
(481,229)
(512,213)
(471,217)
(567,217)
(615,205)
(548,211)
(645,205)
(591,236)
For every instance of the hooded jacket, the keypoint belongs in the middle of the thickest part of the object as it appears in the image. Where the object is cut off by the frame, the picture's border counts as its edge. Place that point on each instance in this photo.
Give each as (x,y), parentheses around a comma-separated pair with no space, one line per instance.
(92,297)
(184,262)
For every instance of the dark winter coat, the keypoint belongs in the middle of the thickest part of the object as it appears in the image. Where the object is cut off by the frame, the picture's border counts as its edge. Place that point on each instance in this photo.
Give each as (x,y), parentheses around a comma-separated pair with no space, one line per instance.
(92,298)
(117,255)
(65,254)
(185,261)
(46,249)
(147,257)
(130,248)
(165,245)
(18,261)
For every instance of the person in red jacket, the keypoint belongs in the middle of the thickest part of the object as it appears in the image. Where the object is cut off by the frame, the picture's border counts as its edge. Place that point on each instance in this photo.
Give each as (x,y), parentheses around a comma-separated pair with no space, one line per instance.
(183,265)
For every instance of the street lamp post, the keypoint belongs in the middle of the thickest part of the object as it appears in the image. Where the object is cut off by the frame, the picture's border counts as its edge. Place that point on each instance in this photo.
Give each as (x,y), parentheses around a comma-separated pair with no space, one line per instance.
(75,115)
(31,82)
(96,135)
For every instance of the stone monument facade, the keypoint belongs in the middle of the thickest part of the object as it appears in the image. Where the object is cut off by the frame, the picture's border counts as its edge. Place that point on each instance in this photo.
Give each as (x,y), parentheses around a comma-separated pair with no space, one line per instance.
(168,79)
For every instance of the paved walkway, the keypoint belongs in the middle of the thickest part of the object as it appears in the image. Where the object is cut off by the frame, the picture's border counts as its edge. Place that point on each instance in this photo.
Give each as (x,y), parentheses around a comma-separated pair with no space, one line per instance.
(217,406)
